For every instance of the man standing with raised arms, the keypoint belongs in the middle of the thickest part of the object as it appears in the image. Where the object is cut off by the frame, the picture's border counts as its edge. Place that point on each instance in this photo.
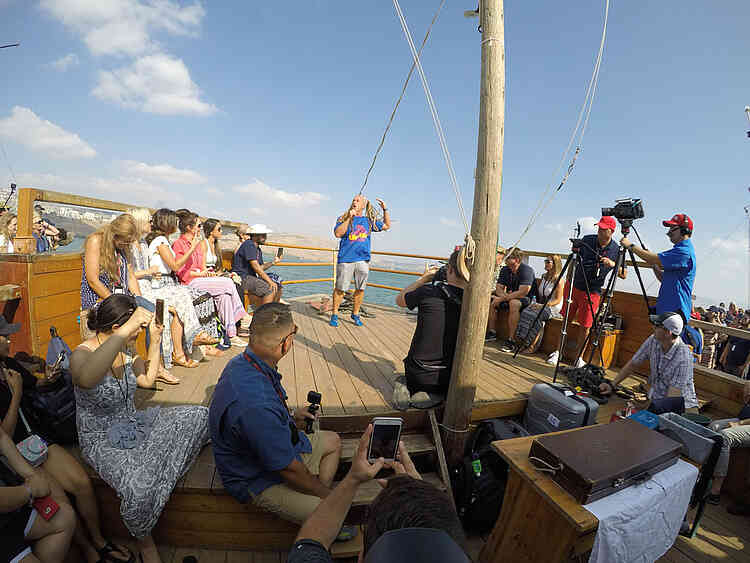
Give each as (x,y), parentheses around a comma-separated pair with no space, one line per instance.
(354,228)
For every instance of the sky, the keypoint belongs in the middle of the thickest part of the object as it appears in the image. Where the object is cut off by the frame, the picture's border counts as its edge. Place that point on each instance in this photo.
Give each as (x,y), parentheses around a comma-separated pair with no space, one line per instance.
(264,112)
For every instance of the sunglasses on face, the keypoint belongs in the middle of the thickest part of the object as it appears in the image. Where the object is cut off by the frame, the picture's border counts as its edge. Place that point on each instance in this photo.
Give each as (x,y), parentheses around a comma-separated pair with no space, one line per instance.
(547,261)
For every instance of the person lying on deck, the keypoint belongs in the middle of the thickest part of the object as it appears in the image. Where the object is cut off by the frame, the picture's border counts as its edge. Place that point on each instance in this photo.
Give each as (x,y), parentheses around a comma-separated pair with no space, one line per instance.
(260,451)
(429,362)
(671,367)
(409,521)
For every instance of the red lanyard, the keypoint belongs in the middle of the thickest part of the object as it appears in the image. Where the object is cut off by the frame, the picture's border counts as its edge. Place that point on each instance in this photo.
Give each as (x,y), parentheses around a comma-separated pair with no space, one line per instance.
(255,364)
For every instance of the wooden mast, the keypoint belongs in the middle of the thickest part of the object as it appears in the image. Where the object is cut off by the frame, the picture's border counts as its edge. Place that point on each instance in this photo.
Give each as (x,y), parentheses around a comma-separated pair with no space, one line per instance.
(484,227)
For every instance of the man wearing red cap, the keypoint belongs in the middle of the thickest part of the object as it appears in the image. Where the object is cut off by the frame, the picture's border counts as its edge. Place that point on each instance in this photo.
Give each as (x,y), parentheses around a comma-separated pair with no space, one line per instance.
(597,256)
(675,268)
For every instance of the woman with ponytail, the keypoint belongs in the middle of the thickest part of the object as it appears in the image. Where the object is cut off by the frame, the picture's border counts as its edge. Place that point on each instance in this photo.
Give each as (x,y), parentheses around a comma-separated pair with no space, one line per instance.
(195,275)
(140,454)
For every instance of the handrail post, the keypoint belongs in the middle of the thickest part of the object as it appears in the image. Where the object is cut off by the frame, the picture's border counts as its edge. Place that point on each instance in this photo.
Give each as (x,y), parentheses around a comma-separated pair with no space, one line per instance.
(484,227)
(335,263)
(24,242)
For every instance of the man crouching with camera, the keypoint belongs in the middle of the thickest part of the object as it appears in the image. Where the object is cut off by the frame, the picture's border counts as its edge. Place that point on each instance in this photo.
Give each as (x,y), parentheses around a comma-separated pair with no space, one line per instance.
(671,362)
(260,452)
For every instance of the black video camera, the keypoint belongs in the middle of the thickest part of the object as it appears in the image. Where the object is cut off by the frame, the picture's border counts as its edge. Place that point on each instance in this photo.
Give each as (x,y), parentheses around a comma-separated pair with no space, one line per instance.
(627,209)
(313,398)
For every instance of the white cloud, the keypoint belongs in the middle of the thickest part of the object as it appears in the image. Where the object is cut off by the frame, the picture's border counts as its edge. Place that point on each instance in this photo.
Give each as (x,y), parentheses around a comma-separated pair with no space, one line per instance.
(448,222)
(731,246)
(163,173)
(272,196)
(64,63)
(27,128)
(156,83)
(125,27)
(214,191)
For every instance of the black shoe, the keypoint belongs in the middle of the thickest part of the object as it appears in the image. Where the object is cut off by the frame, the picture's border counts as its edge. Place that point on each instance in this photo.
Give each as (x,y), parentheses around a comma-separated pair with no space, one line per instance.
(490,336)
(713,499)
(509,347)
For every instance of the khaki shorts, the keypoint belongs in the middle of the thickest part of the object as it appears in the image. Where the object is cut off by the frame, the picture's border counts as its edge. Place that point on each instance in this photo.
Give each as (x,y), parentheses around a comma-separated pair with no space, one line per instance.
(284,501)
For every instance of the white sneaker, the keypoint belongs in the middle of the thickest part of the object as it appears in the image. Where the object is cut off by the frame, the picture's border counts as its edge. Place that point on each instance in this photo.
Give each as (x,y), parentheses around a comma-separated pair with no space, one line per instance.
(580,363)
(237,341)
(552,358)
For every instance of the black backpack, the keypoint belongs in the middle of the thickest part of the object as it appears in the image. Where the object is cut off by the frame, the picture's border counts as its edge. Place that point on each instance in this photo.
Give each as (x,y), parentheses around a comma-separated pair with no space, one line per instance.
(479,480)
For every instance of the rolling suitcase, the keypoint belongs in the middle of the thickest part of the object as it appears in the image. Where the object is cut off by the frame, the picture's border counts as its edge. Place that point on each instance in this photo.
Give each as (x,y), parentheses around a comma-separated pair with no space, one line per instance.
(552,407)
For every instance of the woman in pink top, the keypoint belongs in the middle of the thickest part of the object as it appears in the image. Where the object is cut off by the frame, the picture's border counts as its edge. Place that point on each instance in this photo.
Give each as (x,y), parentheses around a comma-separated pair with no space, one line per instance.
(194,274)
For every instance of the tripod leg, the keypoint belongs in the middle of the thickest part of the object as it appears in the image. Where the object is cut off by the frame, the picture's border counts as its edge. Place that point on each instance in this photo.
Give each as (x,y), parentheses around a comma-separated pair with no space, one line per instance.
(604,305)
(640,279)
(572,259)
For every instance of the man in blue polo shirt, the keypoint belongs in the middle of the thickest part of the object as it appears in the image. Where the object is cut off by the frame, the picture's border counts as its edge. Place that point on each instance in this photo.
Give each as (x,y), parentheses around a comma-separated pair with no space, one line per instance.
(675,268)
(260,450)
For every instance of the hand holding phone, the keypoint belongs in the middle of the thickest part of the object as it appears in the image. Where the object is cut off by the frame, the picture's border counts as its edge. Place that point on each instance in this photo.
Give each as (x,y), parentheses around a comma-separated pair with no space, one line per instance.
(280,252)
(46,507)
(160,312)
(386,433)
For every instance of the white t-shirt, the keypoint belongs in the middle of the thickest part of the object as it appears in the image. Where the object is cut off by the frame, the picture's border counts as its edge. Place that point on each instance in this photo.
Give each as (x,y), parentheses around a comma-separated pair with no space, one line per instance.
(210,256)
(154,256)
(545,288)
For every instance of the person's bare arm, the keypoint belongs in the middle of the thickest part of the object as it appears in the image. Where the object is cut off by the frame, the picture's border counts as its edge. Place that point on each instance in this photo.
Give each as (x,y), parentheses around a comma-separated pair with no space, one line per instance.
(170,260)
(556,298)
(626,370)
(522,291)
(427,277)
(645,255)
(133,282)
(89,368)
(15,383)
(345,219)
(324,524)
(299,478)
(91,260)
(386,215)
(261,271)
(147,377)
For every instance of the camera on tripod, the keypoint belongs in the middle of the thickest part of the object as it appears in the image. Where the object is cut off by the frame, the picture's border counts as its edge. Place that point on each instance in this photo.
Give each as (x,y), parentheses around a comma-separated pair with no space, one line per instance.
(313,398)
(627,209)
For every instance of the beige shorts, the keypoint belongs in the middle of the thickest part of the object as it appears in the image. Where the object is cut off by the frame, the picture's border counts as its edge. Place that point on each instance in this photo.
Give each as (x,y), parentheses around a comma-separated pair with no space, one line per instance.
(284,501)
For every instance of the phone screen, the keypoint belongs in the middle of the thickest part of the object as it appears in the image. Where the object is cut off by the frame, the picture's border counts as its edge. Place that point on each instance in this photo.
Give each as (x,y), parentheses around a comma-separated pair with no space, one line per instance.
(384,441)
(160,311)
(280,252)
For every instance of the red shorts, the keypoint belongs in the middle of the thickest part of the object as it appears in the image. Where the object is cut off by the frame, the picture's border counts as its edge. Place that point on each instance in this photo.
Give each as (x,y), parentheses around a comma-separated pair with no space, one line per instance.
(580,309)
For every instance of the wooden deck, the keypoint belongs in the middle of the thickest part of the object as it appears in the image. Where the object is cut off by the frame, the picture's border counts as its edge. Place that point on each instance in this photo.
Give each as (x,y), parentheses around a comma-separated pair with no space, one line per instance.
(354,369)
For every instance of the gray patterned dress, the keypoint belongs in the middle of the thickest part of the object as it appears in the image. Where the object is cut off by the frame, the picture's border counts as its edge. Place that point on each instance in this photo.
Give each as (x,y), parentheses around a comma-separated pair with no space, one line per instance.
(144,476)
(174,295)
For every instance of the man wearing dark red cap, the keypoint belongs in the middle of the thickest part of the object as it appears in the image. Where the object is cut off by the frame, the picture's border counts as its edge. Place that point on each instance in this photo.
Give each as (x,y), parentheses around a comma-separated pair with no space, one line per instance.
(675,268)
(597,256)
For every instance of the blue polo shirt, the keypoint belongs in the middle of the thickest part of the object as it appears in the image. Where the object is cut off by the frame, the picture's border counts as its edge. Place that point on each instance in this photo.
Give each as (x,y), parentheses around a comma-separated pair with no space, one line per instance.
(249,426)
(676,291)
(247,251)
(590,271)
(354,246)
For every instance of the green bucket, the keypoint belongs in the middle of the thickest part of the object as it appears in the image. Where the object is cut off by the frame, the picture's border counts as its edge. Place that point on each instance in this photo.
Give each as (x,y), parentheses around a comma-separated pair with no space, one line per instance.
(701,419)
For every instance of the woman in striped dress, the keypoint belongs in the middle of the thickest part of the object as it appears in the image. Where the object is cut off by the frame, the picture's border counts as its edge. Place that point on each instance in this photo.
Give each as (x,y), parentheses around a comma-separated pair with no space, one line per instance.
(194,274)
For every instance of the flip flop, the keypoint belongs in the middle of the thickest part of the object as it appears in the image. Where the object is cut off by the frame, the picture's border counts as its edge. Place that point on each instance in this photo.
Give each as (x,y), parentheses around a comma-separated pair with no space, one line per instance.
(184,362)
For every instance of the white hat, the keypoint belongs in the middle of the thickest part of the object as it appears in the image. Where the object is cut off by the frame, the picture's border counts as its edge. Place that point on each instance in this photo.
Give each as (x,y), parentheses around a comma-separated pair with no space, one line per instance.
(258,229)
(671,322)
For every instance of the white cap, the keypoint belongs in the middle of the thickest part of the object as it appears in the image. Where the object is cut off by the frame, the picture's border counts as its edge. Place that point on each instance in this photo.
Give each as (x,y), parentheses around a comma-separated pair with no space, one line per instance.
(258,229)
(671,322)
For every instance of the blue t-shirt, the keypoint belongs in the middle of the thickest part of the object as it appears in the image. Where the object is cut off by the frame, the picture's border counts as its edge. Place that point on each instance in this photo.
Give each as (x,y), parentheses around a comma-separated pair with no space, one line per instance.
(676,291)
(42,244)
(355,244)
(249,424)
(247,251)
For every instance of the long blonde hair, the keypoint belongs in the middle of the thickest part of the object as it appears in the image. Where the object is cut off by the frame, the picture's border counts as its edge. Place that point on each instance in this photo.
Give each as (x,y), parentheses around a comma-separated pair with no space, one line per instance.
(142,216)
(122,227)
(370,213)
(552,274)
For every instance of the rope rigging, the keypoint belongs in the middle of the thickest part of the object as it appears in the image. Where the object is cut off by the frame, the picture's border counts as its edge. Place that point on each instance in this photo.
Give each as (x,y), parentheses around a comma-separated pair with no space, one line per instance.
(578,133)
(401,96)
(470,244)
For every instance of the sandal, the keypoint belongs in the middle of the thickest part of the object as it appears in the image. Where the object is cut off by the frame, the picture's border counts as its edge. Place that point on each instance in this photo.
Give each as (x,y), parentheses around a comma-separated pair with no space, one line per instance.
(106,554)
(203,339)
(184,362)
(171,380)
(212,351)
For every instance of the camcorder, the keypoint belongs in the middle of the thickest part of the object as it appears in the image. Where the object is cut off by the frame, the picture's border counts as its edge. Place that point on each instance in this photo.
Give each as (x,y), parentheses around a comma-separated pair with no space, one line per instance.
(627,209)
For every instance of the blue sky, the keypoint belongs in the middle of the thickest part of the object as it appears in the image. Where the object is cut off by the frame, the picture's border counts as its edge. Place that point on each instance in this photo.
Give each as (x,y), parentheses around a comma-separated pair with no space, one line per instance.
(270,113)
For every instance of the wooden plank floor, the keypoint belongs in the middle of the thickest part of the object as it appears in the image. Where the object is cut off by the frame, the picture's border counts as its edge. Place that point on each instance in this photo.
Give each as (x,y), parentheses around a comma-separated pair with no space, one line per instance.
(354,368)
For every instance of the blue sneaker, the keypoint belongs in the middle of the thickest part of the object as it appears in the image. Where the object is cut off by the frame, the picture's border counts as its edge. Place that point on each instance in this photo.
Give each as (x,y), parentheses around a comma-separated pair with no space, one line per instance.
(357,320)
(334,320)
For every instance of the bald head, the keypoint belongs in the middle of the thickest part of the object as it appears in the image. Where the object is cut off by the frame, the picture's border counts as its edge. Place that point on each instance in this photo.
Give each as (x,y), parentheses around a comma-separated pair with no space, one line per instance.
(271,323)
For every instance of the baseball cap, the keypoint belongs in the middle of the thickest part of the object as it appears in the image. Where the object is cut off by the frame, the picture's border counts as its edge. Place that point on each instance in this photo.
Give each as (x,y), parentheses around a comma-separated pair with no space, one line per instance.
(6,329)
(679,220)
(258,229)
(671,322)
(607,222)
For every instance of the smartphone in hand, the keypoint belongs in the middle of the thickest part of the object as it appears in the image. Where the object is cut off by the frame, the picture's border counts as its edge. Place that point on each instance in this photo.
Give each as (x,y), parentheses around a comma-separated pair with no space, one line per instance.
(46,507)
(160,312)
(386,433)
(280,252)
